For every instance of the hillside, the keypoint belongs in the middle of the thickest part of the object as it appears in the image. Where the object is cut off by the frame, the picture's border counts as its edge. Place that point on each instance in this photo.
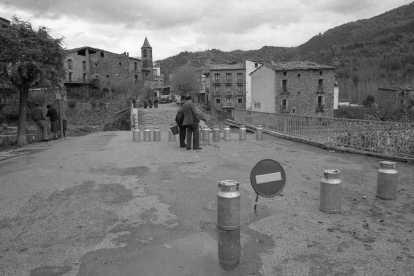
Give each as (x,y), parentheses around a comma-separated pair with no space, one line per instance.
(367,53)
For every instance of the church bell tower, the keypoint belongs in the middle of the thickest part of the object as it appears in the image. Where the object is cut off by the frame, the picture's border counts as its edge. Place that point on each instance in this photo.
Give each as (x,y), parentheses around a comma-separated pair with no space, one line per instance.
(147,65)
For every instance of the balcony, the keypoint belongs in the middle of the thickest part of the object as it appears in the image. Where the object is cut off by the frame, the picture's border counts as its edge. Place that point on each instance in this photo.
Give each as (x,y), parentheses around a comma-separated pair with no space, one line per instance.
(240,81)
(229,105)
(217,80)
(229,80)
(77,80)
(320,89)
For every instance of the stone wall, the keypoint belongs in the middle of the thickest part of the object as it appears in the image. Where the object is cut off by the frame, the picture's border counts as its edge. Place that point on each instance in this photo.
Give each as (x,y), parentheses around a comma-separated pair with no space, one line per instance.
(303,91)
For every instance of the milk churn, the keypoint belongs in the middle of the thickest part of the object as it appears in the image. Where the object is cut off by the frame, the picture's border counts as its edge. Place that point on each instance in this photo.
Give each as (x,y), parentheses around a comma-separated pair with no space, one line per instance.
(216,132)
(387,180)
(259,132)
(147,133)
(206,133)
(136,134)
(226,132)
(242,132)
(229,249)
(156,134)
(331,192)
(228,205)
(171,136)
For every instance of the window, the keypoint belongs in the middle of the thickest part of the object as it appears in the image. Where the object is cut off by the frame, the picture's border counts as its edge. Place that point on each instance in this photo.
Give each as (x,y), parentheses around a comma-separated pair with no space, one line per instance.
(320,85)
(120,64)
(145,53)
(228,100)
(228,76)
(217,76)
(320,72)
(84,78)
(320,100)
(70,64)
(284,105)
(228,88)
(150,53)
(240,88)
(284,73)
(107,77)
(256,64)
(240,100)
(239,76)
(298,75)
(293,110)
(218,101)
(135,66)
(217,88)
(102,54)
(136,78)
(84,65)
(284,85)
(70,76)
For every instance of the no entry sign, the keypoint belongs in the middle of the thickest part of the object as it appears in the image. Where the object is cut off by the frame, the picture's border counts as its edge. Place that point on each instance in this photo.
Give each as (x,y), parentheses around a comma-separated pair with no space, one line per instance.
(268,178)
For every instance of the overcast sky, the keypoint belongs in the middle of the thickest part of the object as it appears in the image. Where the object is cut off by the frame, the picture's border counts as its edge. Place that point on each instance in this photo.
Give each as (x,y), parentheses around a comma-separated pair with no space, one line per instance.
(173,26)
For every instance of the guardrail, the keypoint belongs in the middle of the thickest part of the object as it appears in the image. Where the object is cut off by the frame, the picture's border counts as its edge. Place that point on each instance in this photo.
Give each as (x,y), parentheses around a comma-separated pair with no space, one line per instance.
(388,138)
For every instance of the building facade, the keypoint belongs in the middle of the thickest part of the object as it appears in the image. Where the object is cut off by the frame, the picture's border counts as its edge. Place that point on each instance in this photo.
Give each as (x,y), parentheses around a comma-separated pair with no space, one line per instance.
(298,87)
(227,89)
(395,97)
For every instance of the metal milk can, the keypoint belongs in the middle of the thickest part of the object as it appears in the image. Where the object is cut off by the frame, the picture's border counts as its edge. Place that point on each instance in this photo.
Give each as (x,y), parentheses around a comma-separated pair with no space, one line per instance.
(171,136)
(387,180)
(226,132)
(216,132)
(228,205)
(259,132)
(242,132)
(136,135)
(206,133)
(330,192)
(147,133)
(157,134)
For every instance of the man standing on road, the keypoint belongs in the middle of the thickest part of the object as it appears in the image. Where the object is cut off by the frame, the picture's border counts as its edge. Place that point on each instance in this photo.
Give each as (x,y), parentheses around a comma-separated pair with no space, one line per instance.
(179,119)
(191,120)
(39,117)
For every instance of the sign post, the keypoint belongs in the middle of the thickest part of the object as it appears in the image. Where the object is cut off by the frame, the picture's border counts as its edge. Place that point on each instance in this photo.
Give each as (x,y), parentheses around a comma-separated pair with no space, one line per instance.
(268,178)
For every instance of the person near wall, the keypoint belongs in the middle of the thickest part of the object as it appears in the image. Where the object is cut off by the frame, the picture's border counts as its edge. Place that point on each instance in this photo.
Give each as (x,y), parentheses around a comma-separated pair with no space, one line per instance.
(179,118)
(54,120)
(191,120)
(64,124)
(39,117)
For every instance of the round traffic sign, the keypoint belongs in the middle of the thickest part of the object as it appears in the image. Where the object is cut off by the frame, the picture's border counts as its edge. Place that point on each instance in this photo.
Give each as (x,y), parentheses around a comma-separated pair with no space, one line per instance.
(268,178)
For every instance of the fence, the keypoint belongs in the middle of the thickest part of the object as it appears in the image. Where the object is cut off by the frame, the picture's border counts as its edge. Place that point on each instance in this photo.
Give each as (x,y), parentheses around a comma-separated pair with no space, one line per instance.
(389,138)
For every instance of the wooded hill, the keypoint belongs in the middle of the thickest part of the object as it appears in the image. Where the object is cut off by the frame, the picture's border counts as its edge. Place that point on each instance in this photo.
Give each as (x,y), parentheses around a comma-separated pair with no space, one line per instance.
(366,53)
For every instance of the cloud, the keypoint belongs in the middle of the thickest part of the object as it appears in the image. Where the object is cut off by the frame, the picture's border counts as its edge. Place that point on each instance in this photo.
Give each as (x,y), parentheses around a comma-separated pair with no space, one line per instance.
(173,26)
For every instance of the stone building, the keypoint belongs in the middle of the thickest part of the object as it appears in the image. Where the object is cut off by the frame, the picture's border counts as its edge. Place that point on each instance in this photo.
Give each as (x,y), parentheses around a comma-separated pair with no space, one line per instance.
(230,87)
(91,67)
(227,89)
(297,87)
(395,97)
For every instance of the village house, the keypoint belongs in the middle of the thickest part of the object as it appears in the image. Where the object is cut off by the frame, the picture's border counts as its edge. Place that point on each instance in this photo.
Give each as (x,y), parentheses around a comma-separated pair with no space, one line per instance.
(395,97)
(88,67)
(297,87)
(230,87)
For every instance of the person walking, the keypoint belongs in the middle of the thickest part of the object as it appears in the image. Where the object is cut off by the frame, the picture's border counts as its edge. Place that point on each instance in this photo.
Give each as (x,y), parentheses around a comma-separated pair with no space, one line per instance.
(191,120)
(39,117)
(54,120)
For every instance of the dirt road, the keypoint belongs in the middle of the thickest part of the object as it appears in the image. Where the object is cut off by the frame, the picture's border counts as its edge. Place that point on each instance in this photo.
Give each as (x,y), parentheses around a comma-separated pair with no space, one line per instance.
(104,205)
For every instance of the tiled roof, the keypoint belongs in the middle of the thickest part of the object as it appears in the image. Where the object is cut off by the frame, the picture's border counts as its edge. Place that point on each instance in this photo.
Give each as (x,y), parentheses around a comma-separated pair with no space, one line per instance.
(396,87)
(240,66)
(298,65)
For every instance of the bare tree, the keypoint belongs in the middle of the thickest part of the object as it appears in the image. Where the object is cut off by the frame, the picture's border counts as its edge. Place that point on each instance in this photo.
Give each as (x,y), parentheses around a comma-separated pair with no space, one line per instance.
(185,80)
